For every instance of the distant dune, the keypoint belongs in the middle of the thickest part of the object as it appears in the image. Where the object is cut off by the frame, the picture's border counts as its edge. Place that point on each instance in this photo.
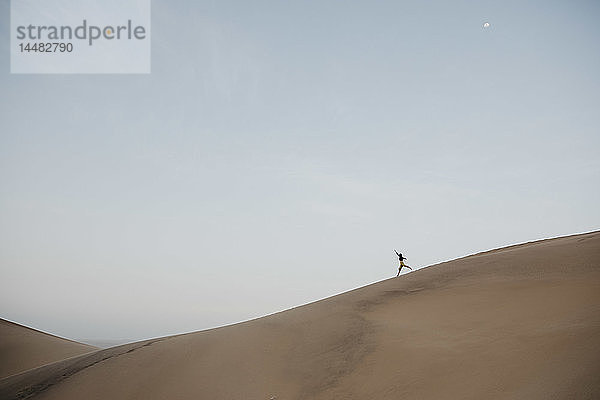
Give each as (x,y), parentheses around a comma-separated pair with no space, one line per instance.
(23,348)
(522,322)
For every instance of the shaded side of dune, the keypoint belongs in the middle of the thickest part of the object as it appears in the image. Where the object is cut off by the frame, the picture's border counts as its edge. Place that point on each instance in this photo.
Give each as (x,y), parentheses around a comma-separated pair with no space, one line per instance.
(38,380)
(23,348)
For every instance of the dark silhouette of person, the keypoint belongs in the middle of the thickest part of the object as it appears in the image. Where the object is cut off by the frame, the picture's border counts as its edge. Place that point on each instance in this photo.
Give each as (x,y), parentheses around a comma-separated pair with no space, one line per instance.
(401,259)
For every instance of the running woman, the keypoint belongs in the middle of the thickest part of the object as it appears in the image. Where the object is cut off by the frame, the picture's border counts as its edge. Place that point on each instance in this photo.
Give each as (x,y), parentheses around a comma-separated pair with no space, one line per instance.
(401,259)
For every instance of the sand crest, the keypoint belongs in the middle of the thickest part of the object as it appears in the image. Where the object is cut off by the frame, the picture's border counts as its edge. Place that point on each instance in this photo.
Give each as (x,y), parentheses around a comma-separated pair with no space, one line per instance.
(521,322)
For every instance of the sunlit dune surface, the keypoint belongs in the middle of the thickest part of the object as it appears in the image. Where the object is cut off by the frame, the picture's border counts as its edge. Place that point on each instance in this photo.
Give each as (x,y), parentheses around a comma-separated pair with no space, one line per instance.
(522,322)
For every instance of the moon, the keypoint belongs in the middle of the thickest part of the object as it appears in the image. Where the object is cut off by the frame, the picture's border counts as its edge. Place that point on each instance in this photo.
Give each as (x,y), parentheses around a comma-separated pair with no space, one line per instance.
(486,24)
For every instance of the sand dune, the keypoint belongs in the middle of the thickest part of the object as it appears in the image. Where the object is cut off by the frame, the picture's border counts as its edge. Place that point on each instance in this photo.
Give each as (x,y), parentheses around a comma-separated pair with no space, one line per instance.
(23,348)
(521,322)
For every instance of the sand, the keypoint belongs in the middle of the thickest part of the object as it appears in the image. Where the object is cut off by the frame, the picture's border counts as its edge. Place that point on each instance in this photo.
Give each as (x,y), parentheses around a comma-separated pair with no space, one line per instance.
(521,322)
(23,348)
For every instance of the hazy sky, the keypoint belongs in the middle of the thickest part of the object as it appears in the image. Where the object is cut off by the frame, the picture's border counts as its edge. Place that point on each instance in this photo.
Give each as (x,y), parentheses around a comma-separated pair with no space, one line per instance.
(280,151)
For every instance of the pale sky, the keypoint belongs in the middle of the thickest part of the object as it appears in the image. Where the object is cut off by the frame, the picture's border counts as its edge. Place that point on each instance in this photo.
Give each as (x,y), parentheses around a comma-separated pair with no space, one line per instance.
(279,152)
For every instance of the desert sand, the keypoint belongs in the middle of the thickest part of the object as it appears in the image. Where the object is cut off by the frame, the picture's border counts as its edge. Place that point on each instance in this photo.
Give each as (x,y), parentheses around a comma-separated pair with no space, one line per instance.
(23,348)
(522,322)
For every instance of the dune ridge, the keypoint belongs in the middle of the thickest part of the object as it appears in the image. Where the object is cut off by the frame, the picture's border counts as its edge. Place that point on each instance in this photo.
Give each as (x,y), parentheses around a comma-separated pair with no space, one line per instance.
(23,348)
(517,322)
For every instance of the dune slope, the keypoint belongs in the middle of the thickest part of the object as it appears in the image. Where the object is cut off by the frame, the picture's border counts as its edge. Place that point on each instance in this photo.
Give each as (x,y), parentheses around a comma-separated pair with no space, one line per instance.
(23,348)
(521,322)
